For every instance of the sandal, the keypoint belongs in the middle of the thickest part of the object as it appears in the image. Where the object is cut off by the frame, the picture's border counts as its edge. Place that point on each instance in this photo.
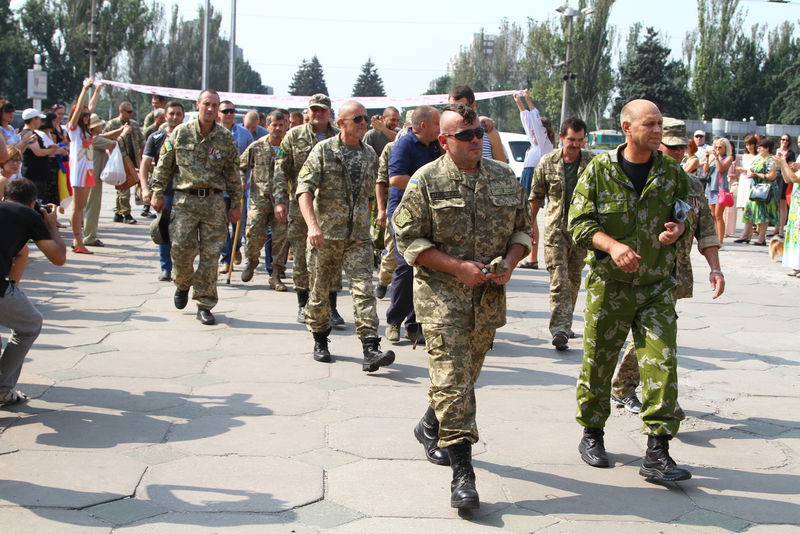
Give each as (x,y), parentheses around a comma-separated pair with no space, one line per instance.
(11,397)
(83,250)
(529,265)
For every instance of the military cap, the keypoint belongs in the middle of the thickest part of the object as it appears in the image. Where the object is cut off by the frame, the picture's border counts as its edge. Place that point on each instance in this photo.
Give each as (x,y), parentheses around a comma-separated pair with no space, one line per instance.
(319,101)
(159,228)
(674,132)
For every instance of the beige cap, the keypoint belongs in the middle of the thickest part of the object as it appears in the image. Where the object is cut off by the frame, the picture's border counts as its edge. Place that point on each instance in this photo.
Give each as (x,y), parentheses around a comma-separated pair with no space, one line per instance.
(674,132)
(95,121)
(319,101)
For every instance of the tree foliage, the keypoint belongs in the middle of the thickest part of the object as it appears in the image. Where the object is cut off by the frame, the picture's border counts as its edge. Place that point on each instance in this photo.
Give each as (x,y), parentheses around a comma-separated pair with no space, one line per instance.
(369,82)
(16,57)
(309,79)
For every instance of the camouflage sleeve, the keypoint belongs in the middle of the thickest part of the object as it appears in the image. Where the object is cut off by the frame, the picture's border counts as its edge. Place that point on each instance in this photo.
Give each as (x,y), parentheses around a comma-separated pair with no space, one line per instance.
(412,222)
(522,224)
(682,193)
(383,165)
(166,168)
(372,172)
(539,185)
(705,233)
(246,160)
(230,173)
(283,166)
(310,174)
(583,222)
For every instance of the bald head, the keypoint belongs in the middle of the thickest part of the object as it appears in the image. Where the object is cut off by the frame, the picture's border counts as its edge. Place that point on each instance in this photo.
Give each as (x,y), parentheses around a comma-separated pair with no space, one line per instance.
(636,109)
(643,126)
(250,121)
(351,108)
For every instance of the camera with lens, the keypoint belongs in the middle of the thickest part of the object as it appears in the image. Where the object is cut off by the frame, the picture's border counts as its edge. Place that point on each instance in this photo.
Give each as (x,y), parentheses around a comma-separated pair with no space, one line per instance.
(41,204)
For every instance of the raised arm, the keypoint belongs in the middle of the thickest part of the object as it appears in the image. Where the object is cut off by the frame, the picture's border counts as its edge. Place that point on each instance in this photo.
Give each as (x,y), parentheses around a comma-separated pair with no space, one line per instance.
(78,109)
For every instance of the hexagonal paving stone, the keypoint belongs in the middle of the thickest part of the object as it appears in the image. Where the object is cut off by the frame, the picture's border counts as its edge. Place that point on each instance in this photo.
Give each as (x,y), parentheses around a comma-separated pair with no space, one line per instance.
(276,398)
(205,523)
(231,484)
(177,342)
(370,437)
(272,368)
(381,401)
(129,364)
(46,520)
(116,393)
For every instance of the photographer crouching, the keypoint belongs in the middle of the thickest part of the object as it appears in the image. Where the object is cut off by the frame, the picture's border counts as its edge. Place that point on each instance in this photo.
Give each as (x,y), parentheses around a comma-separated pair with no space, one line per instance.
(21,222)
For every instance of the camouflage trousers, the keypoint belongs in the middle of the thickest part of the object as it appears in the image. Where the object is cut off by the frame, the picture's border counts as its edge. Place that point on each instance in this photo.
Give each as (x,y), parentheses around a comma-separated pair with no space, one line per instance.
(612,310)
(123,205)
(388,262)
(260,215)
(564,264)
(355,257)
(197,226)
(626,378)
(298,235)
(455,358)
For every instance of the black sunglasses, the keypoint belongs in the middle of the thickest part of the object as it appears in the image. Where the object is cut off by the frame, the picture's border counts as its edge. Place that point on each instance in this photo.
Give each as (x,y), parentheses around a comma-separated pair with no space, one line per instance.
(358,119)
(227,111)
(468,135)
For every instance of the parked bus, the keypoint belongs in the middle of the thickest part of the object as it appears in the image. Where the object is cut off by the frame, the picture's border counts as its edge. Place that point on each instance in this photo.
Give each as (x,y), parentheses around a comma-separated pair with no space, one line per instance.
(603,140)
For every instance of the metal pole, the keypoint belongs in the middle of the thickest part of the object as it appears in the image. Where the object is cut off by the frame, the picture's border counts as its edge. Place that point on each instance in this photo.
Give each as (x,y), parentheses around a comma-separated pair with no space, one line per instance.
(232,50)
(92,35)
(205,46)
(567,74)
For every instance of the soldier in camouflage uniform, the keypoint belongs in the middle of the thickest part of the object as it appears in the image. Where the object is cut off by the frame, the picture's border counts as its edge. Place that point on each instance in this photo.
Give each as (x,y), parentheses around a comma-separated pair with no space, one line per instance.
(289,159)
(388,263)
(158,102)
(628,209)
(335,189)
(673,144)
(554,179)
(131,147)
(201,160)
(463,224)
(260,159)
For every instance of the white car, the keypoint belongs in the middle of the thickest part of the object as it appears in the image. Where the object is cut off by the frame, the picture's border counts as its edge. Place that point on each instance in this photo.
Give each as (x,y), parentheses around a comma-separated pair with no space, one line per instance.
(515,146)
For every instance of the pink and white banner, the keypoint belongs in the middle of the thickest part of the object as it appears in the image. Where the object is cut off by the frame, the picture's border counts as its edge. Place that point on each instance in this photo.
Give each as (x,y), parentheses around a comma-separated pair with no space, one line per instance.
(299,102)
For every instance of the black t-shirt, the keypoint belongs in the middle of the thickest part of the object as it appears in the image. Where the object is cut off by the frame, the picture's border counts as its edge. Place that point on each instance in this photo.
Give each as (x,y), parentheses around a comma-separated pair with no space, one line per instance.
(19,223)
(636,172)
(36,168)
(152,148)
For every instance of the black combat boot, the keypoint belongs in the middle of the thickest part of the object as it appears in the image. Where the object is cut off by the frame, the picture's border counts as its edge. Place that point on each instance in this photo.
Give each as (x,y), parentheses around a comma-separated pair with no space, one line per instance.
(302,300)
(321,352)
(373,357)
(427,433)
(658,466)
(592,448)
(464,496)
(336,319)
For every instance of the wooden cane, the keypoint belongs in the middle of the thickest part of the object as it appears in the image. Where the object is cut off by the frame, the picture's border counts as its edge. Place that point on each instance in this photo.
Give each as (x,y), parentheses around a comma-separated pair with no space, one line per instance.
(233,245)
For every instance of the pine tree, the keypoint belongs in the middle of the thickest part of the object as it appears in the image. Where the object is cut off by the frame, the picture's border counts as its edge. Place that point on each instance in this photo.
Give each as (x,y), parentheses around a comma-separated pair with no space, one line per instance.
(369,82)
(309,79)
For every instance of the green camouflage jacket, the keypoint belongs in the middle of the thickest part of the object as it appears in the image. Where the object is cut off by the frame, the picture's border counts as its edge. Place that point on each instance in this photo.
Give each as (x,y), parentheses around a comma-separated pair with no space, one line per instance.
(341,212)
(260,160)
(548,182)
(289,159)
(196,162)
(605,200)
(702,222)
(469,216)
(383,163)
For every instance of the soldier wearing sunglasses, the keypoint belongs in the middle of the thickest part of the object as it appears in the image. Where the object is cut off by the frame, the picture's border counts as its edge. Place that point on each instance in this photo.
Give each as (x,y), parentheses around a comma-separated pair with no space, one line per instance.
(463,224)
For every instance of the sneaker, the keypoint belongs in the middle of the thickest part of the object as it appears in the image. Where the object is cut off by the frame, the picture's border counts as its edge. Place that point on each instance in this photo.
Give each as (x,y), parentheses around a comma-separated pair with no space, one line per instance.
(118,218)
(127,219)
(301,315)
(165,276)
(631,403)
(11,397)
(223,268)
(392,333)
(560,341)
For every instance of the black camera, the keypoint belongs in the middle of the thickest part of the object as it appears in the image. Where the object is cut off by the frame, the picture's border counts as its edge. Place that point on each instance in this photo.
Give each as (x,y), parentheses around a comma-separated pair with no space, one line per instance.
(41,204)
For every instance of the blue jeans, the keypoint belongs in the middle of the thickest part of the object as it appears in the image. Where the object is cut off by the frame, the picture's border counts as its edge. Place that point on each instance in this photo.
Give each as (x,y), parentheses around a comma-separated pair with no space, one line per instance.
(164,250)
(527,180)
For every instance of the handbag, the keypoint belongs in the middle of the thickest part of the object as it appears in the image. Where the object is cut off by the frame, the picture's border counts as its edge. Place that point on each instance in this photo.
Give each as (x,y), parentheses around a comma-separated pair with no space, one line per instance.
(725,199)
(761,192)
(114,171)
(131,176)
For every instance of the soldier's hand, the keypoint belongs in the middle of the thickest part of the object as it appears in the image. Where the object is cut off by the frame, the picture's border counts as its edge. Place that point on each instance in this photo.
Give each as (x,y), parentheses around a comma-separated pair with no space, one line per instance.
(717,284)
(280,212)
(502,278)
(376,121)
(234,215)
(146,195)
(470,273)
(672,233)
(382,218)
(315,237)
(157,203)
(625,257)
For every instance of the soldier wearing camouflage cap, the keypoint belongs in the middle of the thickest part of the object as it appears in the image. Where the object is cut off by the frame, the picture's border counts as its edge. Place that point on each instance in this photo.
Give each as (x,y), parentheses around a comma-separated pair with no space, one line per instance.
(463,224)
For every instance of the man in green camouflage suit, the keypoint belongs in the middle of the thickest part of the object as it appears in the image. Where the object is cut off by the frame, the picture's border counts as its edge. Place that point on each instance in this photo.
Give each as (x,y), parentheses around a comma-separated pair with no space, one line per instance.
(131,148)
(554,179)
(201,160)
(673,144)
(259,158)
(289,159)
(628,209)
(335,189)
(463,224)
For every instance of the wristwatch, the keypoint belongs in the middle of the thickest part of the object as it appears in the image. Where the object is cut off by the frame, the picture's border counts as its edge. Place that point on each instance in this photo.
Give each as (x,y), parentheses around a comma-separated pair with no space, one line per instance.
(717,271)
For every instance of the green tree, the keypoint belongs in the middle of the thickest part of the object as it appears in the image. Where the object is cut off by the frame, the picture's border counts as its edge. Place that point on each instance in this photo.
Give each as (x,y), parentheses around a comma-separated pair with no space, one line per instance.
(746,73)
(369,82)
(309,79)
(647,72)
(440,85)
(777,74)
(16,56)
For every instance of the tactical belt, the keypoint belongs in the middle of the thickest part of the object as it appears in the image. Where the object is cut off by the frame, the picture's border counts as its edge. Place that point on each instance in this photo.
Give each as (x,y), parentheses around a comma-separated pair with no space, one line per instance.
(200,192)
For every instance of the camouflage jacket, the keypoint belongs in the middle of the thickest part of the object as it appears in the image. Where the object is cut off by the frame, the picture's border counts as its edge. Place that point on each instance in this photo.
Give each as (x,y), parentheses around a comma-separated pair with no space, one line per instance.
(383,163)
(291,156)
(260,160)
(469,216)
(341,212)
(702,223)
(192,161)
(133,143)
(548,182)
(606,201)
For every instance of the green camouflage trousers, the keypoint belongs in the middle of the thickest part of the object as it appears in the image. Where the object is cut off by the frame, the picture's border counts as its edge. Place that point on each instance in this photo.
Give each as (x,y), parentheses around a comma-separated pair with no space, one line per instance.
(198,226)
(388,261)
(259,216)
(612,310)
(298,235)
(123,204)
(564,264)
(455,358)
(355,257)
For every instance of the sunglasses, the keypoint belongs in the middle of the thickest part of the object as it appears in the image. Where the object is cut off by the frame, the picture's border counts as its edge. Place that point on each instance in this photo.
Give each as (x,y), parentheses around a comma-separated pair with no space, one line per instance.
(785,140)
(227,111)
(127,111)
(358,119)
(699,135)
(468,135)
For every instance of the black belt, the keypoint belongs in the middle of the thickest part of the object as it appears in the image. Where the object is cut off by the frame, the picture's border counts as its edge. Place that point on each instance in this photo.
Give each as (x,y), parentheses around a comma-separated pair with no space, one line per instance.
(200,192)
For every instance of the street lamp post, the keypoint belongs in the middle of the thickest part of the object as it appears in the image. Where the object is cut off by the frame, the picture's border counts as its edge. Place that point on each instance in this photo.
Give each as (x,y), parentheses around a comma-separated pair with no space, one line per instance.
(570,13)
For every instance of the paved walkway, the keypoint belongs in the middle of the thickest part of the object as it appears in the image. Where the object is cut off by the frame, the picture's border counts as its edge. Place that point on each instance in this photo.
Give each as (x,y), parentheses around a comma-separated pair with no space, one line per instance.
(143,420)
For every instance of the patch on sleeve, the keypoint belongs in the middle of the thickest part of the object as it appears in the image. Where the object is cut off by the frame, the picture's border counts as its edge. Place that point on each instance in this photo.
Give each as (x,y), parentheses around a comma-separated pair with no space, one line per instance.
(412,183)
(402,217)
(167,145)
(444,195)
